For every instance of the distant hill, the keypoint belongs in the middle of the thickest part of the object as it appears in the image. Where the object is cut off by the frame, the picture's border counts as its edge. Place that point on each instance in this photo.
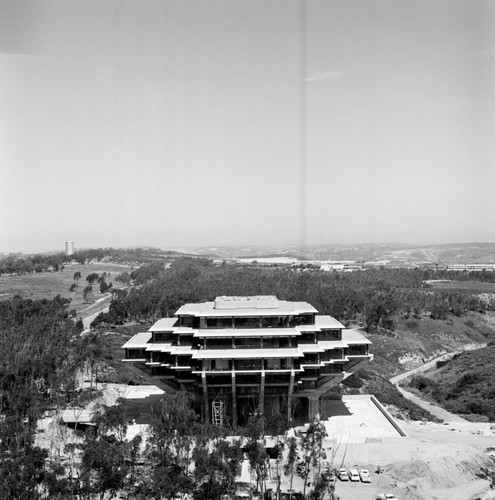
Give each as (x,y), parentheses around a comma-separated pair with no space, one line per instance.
(448,253)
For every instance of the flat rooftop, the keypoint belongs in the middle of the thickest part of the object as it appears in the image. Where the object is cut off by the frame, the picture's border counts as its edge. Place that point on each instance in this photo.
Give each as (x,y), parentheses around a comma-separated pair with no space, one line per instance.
(139,341)
(262,305)
(350,336)
(164,324)
(327,322)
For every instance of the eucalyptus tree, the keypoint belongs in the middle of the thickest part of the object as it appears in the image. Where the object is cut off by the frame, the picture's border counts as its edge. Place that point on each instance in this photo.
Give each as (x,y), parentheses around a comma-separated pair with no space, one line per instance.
(312,447)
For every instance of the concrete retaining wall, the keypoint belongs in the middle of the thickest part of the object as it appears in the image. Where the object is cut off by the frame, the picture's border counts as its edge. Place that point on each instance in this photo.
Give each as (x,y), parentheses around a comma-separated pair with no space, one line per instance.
(387,415)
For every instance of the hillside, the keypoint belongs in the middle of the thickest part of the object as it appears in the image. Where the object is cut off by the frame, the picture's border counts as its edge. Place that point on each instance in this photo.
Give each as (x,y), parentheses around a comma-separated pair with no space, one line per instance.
(413,343)
(464,385)
(443,253)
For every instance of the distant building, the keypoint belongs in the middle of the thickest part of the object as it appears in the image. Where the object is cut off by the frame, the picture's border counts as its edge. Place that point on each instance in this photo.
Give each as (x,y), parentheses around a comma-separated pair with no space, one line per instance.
(341,267)
(471,267)
(239,354)
(392,264)
(69,248)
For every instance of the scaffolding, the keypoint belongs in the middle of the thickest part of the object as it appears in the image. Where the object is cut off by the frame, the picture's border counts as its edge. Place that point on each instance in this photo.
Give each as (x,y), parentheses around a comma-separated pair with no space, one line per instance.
(217,412)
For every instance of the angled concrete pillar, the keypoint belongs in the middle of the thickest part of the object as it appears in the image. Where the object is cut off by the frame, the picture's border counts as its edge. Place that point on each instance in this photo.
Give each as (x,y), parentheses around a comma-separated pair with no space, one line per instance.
(313,407)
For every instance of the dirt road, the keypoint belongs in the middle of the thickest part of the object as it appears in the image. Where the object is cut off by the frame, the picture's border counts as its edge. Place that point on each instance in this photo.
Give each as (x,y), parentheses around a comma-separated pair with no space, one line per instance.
(433,409)
(432,363)
(103,306)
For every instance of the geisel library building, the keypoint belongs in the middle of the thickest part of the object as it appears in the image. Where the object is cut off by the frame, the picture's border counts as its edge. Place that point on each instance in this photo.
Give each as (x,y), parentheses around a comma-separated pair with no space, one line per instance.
(239,354)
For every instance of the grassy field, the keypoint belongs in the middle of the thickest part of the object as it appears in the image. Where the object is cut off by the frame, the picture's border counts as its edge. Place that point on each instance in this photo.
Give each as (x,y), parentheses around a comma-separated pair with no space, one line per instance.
(48,285)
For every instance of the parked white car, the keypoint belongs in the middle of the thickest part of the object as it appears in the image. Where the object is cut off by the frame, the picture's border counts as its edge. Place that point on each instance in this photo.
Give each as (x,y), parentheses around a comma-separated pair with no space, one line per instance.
(365,475)
(342,475)
(353,475)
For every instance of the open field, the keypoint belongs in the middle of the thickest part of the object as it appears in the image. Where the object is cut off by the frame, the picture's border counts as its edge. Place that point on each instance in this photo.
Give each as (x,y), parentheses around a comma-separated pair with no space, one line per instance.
(38,286)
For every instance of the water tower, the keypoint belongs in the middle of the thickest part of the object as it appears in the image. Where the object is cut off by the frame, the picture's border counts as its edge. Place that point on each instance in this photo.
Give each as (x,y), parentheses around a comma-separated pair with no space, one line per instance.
(69,248)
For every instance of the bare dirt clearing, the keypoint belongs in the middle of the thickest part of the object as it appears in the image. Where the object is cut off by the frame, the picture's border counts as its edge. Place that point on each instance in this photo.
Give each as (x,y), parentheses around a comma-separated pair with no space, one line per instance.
(434,462)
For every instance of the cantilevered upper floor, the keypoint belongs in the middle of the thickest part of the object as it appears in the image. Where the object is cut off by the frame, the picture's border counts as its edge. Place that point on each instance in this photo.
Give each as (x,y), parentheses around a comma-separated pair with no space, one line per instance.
(246,328)
(248,347)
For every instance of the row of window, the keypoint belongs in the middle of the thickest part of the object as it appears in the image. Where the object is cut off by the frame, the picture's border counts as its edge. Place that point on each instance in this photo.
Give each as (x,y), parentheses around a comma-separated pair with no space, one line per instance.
(269,363)
(247,322)
(306,337)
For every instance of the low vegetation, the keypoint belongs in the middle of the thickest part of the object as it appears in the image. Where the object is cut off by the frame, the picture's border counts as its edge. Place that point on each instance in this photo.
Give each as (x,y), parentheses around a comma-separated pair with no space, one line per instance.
(464,385)
(373,298)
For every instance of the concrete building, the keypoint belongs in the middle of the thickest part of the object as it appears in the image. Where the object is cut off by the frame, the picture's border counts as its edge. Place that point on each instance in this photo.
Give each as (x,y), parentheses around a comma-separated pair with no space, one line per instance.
(340,267)
(239,354)
(471,267)
(69,248)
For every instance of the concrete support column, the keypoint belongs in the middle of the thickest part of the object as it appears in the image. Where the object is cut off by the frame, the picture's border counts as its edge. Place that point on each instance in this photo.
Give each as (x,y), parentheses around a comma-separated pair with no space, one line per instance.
(262,393)
(205,397)
(234,400)
(289,395)
(313,407)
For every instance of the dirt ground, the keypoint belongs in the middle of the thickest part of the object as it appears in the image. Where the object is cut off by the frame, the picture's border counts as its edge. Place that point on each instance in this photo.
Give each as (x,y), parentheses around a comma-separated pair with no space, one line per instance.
(433,462)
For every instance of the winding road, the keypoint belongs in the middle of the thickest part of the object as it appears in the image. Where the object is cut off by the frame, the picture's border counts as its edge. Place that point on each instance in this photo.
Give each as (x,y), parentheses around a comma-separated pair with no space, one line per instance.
(104,307)
(433,409)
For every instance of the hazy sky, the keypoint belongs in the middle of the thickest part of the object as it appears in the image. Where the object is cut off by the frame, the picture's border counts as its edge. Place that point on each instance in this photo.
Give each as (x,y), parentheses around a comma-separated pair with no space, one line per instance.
(209,122)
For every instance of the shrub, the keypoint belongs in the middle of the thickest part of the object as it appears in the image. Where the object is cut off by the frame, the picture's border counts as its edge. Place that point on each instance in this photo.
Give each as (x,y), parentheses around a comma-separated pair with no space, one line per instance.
(422,383)
(468,379)
(412,325)
(353,382)
(442,362)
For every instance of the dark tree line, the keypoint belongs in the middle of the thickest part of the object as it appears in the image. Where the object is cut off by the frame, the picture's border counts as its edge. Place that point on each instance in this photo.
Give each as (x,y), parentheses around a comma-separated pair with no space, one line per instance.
(33,264)
(38,263)
(372,297)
